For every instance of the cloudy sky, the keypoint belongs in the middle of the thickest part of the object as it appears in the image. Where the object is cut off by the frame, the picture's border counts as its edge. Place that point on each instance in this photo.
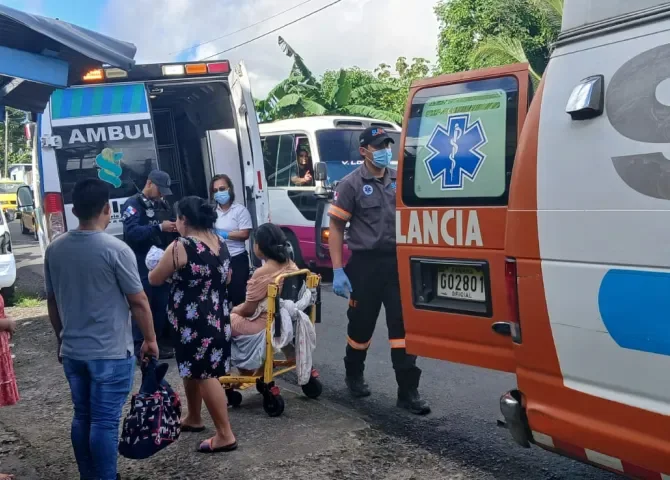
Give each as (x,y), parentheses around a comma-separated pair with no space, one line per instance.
(363,33)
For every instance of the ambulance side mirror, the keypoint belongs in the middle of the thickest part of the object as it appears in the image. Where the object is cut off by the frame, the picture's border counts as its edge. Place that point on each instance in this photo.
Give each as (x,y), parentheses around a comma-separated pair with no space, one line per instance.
(24,197)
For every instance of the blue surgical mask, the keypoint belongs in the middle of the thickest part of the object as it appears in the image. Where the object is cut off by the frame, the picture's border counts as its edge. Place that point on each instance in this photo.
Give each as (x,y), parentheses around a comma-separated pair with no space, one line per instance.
(382,158)
(222,198)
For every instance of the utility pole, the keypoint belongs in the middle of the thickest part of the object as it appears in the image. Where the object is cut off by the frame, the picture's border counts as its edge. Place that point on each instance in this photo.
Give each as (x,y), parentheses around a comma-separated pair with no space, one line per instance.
(6,140)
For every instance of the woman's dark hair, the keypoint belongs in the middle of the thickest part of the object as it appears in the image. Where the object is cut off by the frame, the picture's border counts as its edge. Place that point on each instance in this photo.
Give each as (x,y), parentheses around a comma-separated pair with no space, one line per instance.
(272,242)
(231,187)
(198,212)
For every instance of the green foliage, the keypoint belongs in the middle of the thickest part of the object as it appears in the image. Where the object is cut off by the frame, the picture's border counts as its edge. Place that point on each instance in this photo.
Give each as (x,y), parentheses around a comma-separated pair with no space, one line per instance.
(18,149)
(405,73)
(347,91)
(465,25)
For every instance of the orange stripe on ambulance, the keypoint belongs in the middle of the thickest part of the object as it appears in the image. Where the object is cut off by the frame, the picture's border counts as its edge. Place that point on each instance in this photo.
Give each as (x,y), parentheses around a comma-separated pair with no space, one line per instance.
(433,227)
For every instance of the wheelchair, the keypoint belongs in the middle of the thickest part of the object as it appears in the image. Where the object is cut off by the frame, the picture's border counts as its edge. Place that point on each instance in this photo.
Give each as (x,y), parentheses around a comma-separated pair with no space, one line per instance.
(284,287)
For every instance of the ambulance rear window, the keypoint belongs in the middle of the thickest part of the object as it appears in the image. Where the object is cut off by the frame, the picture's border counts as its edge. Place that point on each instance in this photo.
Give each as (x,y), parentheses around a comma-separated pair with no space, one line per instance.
(121,157)
(460,144)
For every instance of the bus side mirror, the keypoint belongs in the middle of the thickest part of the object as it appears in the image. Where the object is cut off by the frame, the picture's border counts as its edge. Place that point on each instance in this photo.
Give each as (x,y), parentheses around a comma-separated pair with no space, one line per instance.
(321,172)
(321,175)
(24,197)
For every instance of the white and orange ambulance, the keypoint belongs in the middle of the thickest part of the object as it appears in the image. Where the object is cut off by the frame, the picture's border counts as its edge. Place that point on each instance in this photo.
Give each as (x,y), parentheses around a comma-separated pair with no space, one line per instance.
(536,240)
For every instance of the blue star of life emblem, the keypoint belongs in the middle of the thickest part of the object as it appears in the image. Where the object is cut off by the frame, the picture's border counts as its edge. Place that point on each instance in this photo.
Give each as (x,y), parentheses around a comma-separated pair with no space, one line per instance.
(454,151)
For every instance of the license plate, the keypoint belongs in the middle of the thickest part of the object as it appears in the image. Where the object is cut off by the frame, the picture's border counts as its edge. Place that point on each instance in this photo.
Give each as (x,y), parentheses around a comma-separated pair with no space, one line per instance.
(461,283)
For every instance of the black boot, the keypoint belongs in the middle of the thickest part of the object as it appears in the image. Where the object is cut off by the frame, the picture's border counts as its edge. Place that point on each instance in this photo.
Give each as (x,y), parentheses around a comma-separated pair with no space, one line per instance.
(408,392)
(165,352)
(357,386)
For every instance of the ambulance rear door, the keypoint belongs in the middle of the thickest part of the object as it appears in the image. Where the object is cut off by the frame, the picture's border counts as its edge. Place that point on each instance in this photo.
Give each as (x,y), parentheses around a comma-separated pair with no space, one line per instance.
(458,145)
(249,144)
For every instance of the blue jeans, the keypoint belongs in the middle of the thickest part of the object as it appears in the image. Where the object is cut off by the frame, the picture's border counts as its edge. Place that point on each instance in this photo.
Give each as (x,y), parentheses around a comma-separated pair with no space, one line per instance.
(158,301)
(99,390)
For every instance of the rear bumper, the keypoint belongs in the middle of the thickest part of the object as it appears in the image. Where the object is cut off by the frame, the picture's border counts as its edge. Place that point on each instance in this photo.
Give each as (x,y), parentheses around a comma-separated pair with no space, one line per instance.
(512,409)
(7,270)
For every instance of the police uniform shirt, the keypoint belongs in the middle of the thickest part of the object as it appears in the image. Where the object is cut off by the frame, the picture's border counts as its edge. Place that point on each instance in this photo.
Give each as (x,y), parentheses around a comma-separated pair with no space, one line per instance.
(368,204)
(141,227)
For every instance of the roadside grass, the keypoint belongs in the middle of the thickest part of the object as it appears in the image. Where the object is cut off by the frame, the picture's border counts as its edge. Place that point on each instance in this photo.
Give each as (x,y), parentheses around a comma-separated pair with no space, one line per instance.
(24,300)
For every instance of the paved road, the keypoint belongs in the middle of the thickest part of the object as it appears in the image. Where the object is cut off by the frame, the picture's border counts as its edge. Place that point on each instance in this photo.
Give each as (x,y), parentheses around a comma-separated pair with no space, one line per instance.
(462,429)
(29,274)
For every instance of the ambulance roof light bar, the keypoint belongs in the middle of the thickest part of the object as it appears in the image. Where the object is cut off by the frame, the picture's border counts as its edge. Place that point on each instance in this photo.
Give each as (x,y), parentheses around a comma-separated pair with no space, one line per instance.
(168,70)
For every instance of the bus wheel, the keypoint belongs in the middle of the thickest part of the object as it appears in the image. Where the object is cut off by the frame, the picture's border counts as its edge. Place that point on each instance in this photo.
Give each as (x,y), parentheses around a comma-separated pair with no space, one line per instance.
(294,247)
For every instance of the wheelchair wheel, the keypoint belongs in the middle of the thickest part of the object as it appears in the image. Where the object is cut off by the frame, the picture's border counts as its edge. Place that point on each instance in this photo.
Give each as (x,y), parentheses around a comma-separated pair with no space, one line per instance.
(313,388)
(234,398)
(273,403)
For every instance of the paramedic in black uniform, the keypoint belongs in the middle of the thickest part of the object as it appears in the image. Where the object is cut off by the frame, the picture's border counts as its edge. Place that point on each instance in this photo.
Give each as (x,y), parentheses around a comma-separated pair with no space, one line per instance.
(147,222)
(366,199)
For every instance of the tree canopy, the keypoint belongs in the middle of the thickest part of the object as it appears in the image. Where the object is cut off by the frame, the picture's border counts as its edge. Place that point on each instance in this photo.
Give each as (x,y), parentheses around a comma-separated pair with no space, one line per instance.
(475,33)
(18,150)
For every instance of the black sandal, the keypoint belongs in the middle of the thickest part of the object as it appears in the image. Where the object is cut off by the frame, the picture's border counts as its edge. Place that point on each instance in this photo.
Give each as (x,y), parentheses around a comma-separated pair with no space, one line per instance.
(206,447)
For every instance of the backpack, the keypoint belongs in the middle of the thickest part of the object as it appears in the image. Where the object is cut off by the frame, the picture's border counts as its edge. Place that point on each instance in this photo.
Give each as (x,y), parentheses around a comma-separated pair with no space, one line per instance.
(154,419)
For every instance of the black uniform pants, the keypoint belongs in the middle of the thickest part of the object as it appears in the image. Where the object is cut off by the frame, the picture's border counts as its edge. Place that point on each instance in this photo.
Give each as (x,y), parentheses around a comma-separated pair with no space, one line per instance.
(374,281)
(237,289)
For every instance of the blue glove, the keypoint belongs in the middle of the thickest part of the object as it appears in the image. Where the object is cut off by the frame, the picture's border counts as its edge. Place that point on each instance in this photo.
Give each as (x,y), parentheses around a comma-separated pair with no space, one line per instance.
(222,233)
(341,283)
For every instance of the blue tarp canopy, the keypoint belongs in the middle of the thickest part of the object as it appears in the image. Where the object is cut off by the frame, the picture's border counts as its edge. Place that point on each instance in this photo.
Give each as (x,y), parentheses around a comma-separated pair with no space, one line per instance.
(40,54)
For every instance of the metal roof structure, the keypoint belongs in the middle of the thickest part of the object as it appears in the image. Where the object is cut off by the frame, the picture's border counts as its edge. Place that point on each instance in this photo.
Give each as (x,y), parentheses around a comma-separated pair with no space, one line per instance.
(40,54)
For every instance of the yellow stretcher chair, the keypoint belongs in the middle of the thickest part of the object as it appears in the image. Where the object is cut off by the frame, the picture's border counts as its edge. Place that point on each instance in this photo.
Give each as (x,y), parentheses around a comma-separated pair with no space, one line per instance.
(284,287)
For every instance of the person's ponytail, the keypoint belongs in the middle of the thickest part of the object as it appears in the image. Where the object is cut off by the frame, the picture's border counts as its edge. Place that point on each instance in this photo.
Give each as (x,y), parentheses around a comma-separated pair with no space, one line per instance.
(272,242)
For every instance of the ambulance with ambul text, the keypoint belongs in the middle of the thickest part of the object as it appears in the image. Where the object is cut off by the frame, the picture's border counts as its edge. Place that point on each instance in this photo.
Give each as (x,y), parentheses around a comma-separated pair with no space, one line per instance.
(533,233)
(192,120)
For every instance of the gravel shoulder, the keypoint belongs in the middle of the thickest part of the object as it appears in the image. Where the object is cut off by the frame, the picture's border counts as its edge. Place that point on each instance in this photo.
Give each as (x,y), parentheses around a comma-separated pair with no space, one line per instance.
(312,440)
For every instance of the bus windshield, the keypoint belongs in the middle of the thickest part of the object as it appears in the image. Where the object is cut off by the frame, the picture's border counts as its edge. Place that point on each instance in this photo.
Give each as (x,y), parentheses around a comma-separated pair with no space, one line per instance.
(339,149)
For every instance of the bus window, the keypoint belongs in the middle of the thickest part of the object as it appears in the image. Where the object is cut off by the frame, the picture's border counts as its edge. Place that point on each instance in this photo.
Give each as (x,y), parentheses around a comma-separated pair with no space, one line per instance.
(302,174)
(339,148)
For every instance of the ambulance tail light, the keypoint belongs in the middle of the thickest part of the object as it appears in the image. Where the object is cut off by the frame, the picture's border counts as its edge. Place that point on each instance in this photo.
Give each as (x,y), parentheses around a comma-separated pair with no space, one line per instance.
(55,215)
(512,288)
(219,67)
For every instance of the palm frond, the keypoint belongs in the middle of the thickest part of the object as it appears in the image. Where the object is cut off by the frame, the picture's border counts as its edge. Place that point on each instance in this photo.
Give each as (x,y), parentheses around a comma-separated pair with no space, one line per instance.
(371,89)
(311,107)
(289,100)
(298,63)
(371,112)
(552,8)
(343,92)
(495,51)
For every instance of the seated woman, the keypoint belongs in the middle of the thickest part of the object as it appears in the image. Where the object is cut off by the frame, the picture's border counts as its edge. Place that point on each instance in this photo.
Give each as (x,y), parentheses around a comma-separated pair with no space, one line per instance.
(250,317)
(304,176)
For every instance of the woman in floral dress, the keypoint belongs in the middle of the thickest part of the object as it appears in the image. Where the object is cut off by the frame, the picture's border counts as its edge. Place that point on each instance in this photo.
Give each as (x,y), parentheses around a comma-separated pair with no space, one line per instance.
(199,267)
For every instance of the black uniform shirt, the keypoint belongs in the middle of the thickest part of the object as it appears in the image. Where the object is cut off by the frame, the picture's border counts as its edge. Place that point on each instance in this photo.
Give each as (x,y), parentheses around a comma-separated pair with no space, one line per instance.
(368,204)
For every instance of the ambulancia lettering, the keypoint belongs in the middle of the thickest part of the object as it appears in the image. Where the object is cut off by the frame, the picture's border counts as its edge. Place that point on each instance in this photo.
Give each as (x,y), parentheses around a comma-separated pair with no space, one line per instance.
(454,227)
(110,133)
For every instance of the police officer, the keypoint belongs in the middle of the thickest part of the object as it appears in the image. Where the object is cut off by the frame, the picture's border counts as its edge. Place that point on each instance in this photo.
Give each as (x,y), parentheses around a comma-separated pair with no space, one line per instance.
(147,222)
(366,199)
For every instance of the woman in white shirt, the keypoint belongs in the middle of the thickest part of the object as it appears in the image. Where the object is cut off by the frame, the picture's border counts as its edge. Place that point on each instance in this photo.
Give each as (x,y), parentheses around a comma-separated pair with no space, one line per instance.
(234,225)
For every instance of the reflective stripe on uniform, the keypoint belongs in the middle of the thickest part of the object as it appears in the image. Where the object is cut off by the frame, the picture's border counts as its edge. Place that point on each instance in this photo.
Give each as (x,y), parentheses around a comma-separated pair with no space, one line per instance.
(356,345)
(338,212)
(397,342)
(591,456)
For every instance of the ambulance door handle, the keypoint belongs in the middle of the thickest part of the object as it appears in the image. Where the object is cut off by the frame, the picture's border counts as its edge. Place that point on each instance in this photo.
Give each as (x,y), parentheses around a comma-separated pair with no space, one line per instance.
(502,328)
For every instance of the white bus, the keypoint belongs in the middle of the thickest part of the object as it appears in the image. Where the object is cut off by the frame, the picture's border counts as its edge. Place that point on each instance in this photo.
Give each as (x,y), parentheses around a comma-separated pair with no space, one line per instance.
(118,126)
(329,140)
